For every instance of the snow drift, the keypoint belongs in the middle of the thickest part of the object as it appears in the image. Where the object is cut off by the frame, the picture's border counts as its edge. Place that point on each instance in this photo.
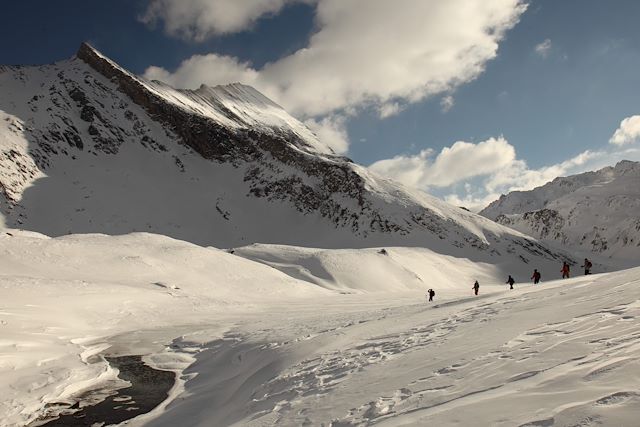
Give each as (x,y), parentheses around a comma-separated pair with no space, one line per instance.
(262,345)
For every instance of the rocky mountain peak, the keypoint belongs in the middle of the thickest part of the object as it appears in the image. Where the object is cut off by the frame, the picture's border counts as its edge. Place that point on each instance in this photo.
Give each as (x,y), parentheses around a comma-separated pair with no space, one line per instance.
(89,147)
(625,167)
(208,113)
(592,212)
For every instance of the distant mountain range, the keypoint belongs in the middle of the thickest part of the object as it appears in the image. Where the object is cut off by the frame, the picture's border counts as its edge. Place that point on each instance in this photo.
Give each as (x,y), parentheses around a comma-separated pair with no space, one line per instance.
(87,146)
(593,212)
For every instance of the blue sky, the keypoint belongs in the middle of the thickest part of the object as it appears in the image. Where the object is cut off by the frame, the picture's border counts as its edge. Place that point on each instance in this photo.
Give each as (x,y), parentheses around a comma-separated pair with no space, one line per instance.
(546,103)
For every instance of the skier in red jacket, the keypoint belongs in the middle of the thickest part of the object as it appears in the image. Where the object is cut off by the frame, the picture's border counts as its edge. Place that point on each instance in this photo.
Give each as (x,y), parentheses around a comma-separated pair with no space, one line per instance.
(536,277)
(565,270)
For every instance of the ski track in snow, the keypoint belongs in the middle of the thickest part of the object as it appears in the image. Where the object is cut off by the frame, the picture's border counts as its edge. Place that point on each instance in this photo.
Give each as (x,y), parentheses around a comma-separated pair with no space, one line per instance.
(544,357)
(425,397)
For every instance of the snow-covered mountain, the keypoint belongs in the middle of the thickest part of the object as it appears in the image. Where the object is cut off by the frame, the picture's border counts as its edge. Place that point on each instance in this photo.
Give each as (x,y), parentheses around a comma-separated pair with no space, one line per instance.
(88,147)
(594,212)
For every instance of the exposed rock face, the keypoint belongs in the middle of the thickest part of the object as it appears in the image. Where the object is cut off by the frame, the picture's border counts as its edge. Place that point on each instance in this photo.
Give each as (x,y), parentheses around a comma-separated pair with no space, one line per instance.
(593,212)
(214,141)
(208,138)
(100,149)
(546,223)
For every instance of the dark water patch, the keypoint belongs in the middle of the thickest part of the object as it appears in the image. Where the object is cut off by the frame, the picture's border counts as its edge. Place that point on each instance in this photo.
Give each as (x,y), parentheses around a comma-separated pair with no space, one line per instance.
(149,388)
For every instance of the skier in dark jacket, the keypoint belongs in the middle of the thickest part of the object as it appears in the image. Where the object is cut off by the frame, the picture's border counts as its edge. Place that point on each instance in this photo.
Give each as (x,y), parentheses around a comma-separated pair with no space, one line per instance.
(565,270)
(587,266)
(431,294)
(510,282)
(476,287)
(536,277)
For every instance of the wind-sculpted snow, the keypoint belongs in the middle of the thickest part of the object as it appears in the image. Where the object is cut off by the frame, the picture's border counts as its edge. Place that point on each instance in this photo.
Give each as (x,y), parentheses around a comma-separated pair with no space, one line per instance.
(594,213)
(87,146)
(60,296)
(310,337)
(566,355)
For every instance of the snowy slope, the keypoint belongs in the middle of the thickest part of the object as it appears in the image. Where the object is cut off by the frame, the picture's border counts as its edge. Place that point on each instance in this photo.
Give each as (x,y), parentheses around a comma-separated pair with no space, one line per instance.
(594,212)
(60,295)
(258,347)
(558,355)
(88,147)
(389,269)
(66,299)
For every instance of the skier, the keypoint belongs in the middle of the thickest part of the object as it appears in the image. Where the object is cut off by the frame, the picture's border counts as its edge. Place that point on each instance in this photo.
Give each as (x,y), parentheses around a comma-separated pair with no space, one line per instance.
(510,282)
(536,277)
(476,287)
(565,270)
(587,266)
(431,294)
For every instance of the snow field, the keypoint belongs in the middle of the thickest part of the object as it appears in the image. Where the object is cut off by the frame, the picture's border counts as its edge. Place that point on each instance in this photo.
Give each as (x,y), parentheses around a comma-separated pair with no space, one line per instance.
(564,354)
(392,269)
(285,335)
(66,299)
(63,297)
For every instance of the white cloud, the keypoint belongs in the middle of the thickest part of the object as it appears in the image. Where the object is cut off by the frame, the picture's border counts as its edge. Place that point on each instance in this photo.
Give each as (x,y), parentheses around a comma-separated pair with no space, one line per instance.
(210,69)
(409,170)
(447,103)
(200,19)
(628,132)
(461,161)
(543,48)
(351,60)
(518,175)
(331,131)
(473,175)
(389,109)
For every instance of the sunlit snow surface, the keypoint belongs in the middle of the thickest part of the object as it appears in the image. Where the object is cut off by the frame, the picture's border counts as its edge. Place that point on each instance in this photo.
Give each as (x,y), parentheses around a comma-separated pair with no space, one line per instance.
(261,342)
